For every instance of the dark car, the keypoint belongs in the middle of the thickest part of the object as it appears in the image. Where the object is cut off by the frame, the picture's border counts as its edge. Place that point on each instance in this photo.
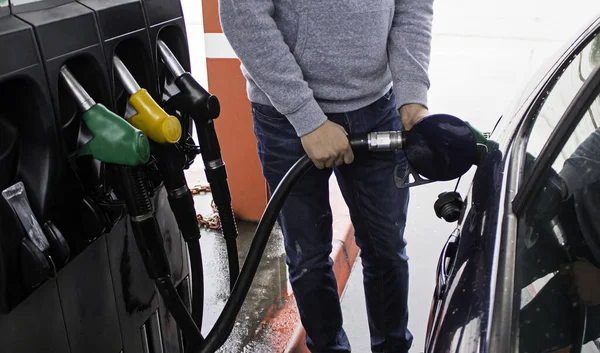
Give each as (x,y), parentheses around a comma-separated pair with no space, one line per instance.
(521,271)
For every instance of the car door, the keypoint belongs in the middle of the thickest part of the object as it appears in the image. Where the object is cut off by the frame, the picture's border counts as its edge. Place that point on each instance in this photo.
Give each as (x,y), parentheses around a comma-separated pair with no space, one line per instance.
(551,300)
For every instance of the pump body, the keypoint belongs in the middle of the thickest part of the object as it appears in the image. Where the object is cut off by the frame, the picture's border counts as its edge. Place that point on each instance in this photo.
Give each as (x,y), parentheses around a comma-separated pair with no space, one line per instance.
(95,295)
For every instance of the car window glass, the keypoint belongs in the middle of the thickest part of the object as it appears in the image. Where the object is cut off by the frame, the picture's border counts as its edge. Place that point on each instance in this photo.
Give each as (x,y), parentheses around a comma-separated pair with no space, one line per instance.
(558,246)
(560,96)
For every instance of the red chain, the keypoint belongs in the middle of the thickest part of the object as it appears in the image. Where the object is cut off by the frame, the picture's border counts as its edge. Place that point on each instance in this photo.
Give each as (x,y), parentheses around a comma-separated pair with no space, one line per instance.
(198,189)
(213,221)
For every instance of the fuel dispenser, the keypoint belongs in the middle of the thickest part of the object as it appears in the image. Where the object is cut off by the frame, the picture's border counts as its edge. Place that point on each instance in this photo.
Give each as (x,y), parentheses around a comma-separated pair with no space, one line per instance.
(107,302)
(32,247)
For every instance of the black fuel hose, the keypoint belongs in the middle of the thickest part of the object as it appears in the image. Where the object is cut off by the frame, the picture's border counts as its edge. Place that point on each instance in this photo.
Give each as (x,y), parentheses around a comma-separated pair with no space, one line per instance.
(204,108)
(197,281)
(226,321)
(216,175)
(181,201)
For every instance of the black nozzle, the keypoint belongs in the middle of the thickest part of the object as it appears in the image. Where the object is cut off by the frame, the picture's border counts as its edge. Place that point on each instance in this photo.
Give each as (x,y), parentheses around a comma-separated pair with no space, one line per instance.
(194,99)
(441,147)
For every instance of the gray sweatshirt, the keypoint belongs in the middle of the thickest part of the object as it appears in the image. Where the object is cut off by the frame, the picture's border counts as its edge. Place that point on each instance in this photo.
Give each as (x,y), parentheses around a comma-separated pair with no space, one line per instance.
(310,57)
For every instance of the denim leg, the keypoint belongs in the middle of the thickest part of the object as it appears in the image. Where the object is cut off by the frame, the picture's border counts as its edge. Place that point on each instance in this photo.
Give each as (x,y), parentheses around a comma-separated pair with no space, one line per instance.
(306,222)
(378,211)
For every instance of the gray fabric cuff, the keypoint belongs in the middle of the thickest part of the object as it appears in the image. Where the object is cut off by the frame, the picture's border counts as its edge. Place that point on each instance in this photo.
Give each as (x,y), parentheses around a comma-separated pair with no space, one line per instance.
(411,92)
(307,118)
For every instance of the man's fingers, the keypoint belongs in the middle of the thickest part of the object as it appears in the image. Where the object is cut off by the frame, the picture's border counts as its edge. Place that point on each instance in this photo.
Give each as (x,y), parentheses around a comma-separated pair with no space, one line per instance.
(330,163)
(348,157)
(318,164)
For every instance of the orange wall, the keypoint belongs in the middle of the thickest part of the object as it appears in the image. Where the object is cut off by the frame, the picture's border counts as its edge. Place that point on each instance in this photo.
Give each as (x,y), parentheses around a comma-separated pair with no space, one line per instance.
(210,15)
(236,136)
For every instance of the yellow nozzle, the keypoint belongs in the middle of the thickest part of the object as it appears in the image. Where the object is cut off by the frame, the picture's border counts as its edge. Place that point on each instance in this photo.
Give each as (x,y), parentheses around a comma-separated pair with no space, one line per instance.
(159,126)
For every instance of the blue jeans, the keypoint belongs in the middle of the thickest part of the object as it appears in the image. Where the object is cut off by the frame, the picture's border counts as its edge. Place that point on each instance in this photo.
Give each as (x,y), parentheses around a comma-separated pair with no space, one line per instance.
(378,212)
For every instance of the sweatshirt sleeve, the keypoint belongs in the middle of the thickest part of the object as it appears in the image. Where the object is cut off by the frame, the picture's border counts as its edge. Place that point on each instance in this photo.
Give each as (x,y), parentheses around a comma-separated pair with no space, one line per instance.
(409,49)
(249,27)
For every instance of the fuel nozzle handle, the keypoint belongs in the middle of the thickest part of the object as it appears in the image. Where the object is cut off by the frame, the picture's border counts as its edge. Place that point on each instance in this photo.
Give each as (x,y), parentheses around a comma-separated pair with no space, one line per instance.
(114,141)
(159,126)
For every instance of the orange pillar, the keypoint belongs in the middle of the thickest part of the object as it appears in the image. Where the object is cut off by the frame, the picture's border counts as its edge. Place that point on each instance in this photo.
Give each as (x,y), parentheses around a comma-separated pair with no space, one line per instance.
(234,125)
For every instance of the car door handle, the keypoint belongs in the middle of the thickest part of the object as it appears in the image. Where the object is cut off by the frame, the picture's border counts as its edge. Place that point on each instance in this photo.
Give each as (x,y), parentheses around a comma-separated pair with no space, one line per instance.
(445,261)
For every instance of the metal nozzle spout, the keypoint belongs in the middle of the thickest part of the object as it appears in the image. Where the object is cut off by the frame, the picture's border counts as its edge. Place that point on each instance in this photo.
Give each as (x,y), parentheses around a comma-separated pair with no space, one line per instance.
(127,79)
(84,100)
(169,59)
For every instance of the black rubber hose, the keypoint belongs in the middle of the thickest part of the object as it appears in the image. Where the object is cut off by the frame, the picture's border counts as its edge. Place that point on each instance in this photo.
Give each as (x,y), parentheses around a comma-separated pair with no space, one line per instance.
(177,308)
(203,109)
(216,174)
(226,321)
(171,163)
(359,141)
(197,281)
(232,260)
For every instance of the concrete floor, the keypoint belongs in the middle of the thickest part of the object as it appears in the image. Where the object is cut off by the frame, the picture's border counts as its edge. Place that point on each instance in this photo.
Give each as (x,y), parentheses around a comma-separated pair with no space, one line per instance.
(483,52)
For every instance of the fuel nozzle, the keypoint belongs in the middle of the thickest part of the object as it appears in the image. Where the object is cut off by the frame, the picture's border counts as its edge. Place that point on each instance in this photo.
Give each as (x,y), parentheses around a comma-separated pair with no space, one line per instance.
(159,126)
(193,97)
(439,147)
(378,141)
(114,141)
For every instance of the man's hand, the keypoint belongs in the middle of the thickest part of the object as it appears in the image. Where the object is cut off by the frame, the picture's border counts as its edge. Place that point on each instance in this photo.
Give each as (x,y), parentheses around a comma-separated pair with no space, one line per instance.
(328,146)
(411,114)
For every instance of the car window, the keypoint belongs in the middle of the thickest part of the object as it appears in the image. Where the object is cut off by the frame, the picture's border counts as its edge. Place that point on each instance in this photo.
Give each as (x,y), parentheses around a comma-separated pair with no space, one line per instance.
(560,96)
(558,235)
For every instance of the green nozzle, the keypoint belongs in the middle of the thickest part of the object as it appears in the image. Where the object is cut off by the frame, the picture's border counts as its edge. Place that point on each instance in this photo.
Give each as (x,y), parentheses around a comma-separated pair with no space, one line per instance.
(115,140)
(478,135)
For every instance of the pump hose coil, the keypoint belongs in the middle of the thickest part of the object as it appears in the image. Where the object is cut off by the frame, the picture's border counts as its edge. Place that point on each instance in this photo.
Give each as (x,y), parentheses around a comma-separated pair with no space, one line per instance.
(136,194)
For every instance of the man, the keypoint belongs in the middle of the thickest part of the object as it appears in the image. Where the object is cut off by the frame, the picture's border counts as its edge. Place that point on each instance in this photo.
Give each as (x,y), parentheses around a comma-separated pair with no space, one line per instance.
(316,71)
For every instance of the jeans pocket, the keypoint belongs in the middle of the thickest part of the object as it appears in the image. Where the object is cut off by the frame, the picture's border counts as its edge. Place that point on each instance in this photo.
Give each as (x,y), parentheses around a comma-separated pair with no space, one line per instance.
(387,101)
(268,121)
(266,112)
